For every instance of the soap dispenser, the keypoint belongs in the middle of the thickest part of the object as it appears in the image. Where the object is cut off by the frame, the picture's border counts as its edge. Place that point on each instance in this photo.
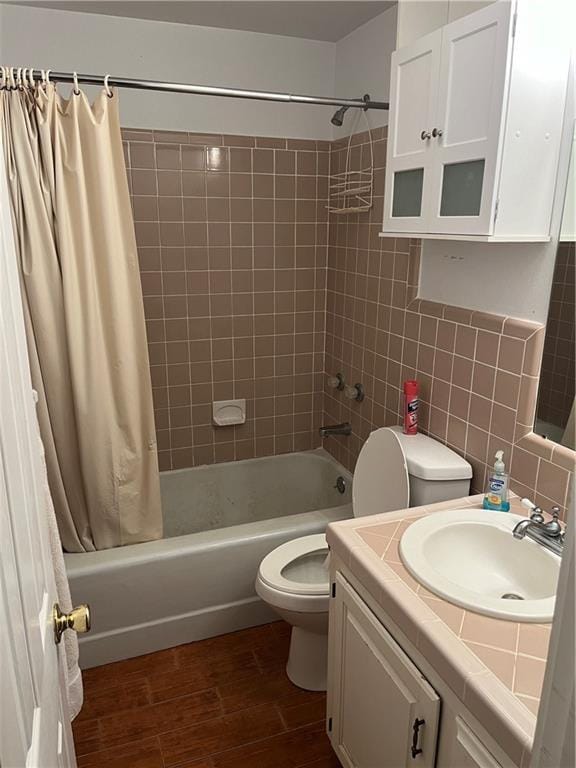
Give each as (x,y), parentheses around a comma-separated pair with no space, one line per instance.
(496,496)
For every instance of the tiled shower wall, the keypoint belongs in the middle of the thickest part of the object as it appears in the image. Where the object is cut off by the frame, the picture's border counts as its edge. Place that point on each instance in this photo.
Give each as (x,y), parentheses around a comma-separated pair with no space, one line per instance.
(478,373)
(231,235)
(556,396)
(248,287)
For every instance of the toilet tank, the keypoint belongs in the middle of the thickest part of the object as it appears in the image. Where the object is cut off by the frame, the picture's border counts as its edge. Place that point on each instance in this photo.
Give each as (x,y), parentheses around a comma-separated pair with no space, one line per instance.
(436,472)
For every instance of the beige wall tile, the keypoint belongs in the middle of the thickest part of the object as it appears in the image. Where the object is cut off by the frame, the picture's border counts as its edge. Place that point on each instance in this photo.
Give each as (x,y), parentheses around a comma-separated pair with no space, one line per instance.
(192,195)
(511,354)
(243,229)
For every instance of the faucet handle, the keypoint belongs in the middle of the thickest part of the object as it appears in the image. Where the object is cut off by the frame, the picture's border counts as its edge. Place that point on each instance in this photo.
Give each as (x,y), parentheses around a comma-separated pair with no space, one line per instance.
(535,512)
(554,527)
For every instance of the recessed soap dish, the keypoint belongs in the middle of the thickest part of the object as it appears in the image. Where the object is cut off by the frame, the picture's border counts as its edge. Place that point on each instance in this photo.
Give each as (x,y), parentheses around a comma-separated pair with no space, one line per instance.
(226,413)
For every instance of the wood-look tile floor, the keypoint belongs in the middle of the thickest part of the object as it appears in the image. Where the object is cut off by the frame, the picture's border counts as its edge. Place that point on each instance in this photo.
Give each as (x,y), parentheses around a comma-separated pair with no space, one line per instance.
(225,702)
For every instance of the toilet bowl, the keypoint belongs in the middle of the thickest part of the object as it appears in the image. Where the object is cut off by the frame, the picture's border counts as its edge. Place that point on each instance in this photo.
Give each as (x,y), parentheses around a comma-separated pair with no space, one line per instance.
(294,580)
(393,471)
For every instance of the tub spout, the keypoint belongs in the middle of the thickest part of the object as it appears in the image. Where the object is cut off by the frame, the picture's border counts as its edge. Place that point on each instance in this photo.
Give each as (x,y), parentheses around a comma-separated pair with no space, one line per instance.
(336,429)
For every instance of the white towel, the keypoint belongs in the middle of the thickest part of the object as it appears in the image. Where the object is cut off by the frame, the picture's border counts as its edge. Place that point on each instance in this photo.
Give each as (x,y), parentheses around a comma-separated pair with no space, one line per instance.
(68,654)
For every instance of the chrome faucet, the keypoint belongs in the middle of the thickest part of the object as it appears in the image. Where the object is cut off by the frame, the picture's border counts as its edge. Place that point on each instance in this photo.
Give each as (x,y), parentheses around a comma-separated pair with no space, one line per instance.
(336,429)
(550,535)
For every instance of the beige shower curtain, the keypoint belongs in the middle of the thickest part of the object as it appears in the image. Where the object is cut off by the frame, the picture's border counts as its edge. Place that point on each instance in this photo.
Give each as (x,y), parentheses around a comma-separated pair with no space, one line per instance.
(84,315)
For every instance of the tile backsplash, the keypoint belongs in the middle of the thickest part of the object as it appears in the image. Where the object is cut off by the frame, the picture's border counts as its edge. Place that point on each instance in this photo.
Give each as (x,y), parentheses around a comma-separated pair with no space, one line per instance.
(251,290)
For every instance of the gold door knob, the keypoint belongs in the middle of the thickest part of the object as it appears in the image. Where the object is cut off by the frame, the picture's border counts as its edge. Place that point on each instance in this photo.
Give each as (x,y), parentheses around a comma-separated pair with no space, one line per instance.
(78,619)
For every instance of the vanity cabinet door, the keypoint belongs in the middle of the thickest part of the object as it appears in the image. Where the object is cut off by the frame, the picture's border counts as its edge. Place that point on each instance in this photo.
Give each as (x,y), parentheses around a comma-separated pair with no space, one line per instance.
(464,749)
(413,93)
(381,713)
(474,69)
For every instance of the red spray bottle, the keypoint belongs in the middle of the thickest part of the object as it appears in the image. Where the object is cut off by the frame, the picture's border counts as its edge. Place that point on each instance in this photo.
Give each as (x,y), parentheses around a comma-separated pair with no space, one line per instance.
(410,407)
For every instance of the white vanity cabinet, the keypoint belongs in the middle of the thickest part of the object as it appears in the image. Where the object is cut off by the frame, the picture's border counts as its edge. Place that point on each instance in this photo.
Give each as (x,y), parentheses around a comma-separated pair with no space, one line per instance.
(382,712)
(463,749)
(476,110)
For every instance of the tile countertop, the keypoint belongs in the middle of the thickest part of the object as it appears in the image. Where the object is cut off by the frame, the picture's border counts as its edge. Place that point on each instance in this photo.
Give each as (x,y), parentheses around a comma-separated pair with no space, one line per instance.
(495,667)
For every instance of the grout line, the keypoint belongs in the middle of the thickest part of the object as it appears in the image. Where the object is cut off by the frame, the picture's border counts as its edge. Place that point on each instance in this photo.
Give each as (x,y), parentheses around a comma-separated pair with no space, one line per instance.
(516,647)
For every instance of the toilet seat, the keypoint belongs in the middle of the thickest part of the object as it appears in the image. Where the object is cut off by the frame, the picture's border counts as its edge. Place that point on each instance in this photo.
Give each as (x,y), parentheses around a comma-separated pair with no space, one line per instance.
(293,568)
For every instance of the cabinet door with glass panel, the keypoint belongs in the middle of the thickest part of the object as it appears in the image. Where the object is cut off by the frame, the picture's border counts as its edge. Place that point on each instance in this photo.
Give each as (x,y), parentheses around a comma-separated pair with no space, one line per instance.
(413,91)
(447,96)
(468,121)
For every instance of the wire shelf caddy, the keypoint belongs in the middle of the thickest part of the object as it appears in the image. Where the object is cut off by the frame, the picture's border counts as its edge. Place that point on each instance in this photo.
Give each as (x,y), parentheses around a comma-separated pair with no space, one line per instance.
(350,190)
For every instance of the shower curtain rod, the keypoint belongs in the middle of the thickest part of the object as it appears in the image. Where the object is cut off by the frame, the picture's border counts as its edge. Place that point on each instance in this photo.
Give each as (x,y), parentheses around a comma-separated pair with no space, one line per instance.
(210,90)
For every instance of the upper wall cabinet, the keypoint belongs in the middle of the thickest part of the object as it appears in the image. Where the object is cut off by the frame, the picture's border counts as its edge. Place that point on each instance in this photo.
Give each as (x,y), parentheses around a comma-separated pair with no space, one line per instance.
(476,111)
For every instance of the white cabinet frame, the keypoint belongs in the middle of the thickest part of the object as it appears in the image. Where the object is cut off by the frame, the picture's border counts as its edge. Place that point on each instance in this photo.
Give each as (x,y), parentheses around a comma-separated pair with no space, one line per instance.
(497,80)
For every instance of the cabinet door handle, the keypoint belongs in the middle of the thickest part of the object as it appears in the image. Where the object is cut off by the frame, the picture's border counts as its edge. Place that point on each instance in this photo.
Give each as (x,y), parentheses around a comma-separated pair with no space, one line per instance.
(425,135)
(437,132)
(415,749)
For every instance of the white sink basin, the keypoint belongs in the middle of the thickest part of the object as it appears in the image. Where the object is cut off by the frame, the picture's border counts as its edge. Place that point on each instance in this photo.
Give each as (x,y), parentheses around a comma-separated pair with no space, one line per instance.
(469,557)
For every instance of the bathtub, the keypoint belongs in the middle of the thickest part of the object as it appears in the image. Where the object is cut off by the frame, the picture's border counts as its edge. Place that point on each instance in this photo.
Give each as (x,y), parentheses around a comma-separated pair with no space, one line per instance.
(198,581)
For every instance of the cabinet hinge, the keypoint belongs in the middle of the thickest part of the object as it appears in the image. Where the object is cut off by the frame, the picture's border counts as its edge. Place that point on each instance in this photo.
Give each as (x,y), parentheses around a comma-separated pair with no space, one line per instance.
(514,20)
(330,725)
(333,589)
(496,210)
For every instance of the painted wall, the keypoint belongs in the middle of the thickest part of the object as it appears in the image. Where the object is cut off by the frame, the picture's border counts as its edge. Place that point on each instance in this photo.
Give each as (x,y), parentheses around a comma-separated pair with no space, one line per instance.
(91,43)
(506,279)
(418,17)
(363,66)
(357,64)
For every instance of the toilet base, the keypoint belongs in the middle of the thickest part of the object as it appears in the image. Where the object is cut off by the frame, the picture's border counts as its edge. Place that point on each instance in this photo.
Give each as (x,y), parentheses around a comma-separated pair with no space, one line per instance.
(307,665)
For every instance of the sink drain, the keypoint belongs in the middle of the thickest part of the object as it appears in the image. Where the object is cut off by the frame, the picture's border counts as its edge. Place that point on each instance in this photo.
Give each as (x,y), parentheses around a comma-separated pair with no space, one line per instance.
(511,596)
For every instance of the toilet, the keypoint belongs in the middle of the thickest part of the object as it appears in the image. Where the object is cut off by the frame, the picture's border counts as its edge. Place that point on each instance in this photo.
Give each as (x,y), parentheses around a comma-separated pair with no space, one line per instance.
(393,471)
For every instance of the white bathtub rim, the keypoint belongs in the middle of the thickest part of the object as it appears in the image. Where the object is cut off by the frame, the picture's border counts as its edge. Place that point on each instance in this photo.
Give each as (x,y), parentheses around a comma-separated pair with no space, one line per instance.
(89,563)
(322,453)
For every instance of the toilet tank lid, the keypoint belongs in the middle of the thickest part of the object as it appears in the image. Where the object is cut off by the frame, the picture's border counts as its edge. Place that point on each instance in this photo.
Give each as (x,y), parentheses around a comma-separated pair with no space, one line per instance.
(428,459)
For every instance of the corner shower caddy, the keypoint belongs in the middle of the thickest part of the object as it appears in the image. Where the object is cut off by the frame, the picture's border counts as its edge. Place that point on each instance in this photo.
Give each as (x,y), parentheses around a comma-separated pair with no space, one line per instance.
(350,191)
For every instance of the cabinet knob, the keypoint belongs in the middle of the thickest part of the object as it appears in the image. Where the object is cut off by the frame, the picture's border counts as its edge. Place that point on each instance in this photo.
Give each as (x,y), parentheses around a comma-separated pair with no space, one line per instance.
(437,132)
(425,135)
